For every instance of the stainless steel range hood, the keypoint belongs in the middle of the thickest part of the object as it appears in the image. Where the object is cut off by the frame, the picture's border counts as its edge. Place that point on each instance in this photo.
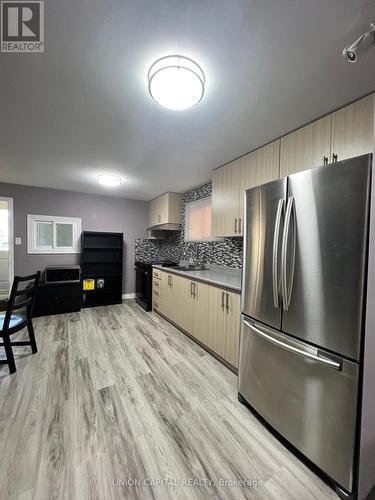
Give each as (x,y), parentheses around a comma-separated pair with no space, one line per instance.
(165,227)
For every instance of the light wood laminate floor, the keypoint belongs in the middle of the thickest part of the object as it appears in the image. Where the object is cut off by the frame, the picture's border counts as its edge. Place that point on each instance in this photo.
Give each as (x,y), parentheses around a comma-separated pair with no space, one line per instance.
(116,395)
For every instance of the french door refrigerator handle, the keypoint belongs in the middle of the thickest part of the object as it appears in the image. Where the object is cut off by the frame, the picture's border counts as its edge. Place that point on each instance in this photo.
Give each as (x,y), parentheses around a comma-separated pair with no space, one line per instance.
(301,352)
(275,281)
(287,290)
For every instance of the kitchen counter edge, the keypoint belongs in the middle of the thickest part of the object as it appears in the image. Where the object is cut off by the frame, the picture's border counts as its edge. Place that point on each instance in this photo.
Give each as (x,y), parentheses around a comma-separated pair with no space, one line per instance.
(221,281)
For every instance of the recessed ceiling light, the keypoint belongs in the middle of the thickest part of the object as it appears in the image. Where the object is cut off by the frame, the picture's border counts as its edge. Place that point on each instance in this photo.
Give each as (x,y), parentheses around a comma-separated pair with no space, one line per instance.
(176,82)
(109,180)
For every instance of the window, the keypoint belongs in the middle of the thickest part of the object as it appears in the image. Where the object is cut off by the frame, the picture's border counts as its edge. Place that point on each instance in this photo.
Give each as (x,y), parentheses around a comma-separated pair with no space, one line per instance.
(49,234)
(198,220)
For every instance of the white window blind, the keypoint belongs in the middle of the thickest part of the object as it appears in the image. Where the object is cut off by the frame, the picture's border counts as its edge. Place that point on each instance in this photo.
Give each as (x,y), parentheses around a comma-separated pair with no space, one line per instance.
(198,220)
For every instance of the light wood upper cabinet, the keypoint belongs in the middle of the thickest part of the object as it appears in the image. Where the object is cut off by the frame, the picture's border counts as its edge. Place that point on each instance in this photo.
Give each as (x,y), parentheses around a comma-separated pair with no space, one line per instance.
(219,202)
(307,147)
(353,129)
(165,209)
(346,133)
(226,204)
(263,165)
(230,182)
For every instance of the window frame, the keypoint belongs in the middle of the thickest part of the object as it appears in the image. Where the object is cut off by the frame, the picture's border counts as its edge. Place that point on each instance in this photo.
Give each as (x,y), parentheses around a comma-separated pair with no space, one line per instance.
(186,221)
(32,234)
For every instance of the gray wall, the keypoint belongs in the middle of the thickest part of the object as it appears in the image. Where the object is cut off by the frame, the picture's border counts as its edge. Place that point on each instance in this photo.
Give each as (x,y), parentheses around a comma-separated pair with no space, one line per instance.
(98,213)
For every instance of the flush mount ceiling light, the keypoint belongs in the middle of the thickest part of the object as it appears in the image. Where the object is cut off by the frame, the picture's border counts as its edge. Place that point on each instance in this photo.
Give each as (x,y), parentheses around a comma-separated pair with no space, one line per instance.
(176,82)
(109,180)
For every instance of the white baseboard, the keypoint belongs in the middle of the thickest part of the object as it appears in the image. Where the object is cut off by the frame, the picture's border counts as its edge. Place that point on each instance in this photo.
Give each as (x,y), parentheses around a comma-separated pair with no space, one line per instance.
(128,296)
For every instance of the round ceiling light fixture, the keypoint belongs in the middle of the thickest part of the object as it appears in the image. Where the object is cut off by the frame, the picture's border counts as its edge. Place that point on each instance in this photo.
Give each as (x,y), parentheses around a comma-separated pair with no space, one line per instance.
(109,180)
(176,82)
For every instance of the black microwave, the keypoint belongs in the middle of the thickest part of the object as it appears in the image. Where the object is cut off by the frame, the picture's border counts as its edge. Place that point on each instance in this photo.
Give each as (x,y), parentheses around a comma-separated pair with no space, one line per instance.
(62,274)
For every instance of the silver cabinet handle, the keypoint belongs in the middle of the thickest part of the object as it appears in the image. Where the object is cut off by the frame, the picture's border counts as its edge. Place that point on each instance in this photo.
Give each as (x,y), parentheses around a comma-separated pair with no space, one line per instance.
(222,300)
(287,291)
(301,352)
(275,252)
(325,160)
(191,288)
(334,157)
(195,290)
(227,302)
(235,226)
(239,226)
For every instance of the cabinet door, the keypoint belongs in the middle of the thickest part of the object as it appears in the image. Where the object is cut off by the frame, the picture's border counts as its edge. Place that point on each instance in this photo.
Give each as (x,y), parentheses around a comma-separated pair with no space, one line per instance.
(185,316)
(172,297)
(232,328)
(233,183)
(174,208)
(216,331)
(152,212)
(224,324)
(178,299)
(227,204)
(263,165)
(259,167)
(200,298)
(353,129)
(218,202)
(306,148)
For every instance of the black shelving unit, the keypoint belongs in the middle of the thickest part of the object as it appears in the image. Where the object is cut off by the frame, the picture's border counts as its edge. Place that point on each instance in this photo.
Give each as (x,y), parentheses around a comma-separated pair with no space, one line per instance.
(102,259)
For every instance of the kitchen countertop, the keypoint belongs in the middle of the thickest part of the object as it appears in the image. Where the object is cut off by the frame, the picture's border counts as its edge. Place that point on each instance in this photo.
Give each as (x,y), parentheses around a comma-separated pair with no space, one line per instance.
(216,275)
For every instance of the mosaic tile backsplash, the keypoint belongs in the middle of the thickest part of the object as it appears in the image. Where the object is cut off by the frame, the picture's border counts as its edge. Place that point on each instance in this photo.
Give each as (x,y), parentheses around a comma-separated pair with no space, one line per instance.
(227,252)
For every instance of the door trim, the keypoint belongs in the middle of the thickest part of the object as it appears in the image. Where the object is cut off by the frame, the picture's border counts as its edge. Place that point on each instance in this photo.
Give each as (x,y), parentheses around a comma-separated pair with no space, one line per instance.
(10,201)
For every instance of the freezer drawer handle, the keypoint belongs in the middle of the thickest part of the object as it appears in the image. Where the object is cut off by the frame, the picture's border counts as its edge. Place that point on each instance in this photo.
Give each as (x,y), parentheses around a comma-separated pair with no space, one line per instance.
(287,291)
(325,361)
(275,257)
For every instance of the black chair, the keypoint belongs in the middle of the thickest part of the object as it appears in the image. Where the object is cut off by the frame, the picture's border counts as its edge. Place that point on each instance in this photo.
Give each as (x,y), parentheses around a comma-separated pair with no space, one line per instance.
(18,315)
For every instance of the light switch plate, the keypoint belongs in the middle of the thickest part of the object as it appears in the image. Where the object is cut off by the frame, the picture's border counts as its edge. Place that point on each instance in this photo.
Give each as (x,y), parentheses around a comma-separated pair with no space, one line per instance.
(18,241)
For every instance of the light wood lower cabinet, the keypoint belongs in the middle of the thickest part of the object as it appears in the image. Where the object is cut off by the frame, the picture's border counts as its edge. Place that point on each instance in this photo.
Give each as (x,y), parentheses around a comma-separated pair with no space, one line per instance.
(224,320)
(208,313)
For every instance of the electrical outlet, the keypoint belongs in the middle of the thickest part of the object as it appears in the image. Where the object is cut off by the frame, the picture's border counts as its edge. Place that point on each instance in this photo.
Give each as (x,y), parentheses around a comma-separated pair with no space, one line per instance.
(18,241)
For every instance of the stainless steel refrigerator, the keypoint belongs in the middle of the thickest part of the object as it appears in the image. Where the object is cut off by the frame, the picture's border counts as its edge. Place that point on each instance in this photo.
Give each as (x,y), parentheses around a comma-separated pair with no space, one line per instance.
(304,280)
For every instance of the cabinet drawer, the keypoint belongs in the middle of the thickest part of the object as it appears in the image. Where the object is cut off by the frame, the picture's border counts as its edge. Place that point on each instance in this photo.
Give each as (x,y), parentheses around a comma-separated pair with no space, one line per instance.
(156,284)
(157,274)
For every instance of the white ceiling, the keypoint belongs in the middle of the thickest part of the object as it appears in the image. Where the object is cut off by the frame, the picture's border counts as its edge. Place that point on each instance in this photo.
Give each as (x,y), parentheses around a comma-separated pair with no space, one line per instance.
(82,107)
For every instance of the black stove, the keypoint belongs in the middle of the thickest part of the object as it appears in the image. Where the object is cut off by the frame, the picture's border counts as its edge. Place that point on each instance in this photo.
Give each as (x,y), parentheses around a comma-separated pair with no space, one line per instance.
(143,280)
